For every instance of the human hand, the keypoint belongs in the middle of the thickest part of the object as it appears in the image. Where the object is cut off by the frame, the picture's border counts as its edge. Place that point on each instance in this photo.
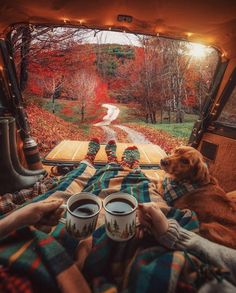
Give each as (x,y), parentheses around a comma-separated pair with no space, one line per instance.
(152,220)
(42,213)
(83,250)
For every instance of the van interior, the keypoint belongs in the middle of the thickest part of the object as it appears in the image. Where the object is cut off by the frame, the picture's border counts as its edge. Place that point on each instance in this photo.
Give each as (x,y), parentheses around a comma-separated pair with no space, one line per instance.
(213,132)
(154,74)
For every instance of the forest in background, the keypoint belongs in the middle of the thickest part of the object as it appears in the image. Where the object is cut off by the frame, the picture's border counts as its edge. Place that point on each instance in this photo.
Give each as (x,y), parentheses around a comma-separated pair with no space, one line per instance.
(155,81)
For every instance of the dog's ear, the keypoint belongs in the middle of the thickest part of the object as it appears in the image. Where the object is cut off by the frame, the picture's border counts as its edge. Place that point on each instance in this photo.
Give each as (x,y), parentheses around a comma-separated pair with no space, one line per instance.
(200,173)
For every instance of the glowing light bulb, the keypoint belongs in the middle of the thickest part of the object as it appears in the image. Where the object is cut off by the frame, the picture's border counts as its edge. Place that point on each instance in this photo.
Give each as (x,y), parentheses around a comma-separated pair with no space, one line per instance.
(197,50)
(80,21)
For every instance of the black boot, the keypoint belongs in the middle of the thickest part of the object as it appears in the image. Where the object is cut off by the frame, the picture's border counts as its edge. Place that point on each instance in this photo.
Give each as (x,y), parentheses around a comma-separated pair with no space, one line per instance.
(13,151)
(10,180)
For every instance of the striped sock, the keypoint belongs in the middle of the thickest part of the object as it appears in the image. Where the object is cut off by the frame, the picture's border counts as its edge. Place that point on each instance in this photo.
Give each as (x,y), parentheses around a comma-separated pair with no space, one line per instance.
(130,158)
(93,149)
(111,151)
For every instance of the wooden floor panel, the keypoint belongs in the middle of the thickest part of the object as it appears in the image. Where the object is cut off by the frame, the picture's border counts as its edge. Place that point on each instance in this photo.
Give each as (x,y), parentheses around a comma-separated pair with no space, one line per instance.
(74,151)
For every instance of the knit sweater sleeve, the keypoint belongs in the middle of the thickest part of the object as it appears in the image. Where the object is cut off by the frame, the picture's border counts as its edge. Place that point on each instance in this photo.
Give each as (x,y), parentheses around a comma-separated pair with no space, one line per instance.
(179,238)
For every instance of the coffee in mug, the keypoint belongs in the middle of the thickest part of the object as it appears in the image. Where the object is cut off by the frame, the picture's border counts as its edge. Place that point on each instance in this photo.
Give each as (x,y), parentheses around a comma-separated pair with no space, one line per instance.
(84,208)
(120,216)
(82,214)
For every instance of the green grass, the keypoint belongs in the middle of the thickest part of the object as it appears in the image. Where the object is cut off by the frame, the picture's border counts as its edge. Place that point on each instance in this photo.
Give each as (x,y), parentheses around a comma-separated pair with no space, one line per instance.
(179,130)
(127,114)
(75,117)
(72,119)
(182,130)
(85,128)
(47,105)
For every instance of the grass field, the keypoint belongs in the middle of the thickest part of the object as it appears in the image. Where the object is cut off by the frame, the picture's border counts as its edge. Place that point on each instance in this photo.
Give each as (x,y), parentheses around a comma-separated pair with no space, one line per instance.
(69,111)
(179,130)
(182,130)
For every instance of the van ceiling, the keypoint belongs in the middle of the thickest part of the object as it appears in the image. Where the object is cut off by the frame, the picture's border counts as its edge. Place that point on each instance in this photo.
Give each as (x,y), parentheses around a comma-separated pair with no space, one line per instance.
(211,22)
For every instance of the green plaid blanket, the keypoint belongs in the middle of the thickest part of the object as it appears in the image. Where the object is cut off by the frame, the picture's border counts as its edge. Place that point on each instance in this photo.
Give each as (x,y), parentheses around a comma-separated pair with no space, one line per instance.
(38,256)
(136,266)
(11,201)
(173,189)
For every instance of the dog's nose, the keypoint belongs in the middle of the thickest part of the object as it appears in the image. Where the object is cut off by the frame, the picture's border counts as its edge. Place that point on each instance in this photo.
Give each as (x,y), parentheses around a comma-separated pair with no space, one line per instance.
(164,163)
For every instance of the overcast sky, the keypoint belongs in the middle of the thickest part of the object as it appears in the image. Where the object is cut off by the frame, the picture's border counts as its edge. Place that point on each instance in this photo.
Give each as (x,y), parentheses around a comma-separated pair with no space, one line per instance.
(108,37)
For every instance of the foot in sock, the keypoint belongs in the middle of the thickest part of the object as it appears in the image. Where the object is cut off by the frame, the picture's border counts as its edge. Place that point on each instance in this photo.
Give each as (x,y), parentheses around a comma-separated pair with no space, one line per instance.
(111,151)
(130,158)
(93,149)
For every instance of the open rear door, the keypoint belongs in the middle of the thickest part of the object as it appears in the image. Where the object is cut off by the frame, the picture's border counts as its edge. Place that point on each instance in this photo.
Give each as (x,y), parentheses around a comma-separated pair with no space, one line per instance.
(12,98)
(216,136)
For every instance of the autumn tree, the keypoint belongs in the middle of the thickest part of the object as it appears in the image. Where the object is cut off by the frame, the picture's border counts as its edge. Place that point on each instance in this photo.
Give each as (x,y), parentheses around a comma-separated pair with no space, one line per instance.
(141,78)
(159,75)
(82,87)
(30,42)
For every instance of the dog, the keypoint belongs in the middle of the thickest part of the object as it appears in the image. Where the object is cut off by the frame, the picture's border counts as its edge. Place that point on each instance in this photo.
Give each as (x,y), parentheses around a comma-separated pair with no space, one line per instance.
(186,163)
(215,210)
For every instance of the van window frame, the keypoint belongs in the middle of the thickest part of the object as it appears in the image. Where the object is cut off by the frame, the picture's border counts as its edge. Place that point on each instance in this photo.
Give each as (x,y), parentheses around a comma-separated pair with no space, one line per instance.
(219,127)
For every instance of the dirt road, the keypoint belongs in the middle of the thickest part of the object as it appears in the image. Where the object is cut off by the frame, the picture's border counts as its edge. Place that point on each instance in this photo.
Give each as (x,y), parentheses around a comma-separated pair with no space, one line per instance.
(112,114)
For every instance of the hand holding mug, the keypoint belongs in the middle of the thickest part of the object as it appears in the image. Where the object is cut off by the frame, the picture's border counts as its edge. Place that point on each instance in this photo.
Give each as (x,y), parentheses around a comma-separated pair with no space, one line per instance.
(46,212)
(152,220)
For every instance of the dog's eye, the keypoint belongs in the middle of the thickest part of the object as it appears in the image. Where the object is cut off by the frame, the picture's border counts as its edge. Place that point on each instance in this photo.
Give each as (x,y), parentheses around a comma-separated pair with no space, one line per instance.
(184,161)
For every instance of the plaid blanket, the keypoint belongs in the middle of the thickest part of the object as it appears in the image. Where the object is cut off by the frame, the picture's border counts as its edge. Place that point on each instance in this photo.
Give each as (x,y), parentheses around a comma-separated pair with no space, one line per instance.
(173,189)
(11,282)
(37,255)
(138,265)
(134,266)
(11,201)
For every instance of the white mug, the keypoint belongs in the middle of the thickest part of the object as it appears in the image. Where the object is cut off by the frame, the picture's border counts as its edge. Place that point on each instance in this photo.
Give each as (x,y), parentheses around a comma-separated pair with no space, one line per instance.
(81,224)
(120,223)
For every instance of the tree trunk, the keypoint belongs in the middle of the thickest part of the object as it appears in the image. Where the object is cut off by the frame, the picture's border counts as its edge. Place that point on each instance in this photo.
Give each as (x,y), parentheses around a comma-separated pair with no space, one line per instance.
(53,102)
(169,114)
(82,113)
(161,113)
(179,114)
(25,49)
(153,115)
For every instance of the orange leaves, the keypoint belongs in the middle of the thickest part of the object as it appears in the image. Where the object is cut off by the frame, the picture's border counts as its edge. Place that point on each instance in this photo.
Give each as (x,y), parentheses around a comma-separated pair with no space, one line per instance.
(166,141)
(49,129)
(101,92)
(67,111)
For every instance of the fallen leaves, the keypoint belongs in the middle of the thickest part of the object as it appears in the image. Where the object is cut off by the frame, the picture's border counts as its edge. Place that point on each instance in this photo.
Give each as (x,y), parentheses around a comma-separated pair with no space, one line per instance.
(49,130)
(121,135)
(159,137)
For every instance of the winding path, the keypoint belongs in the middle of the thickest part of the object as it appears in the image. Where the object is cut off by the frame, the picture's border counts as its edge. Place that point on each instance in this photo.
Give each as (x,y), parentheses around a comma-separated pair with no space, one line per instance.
(133,135)
(110,133)
(112,113)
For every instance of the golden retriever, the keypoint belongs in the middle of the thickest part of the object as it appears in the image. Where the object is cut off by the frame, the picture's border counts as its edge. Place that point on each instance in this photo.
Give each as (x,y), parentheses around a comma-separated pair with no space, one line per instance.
(186,163)
(215,210)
